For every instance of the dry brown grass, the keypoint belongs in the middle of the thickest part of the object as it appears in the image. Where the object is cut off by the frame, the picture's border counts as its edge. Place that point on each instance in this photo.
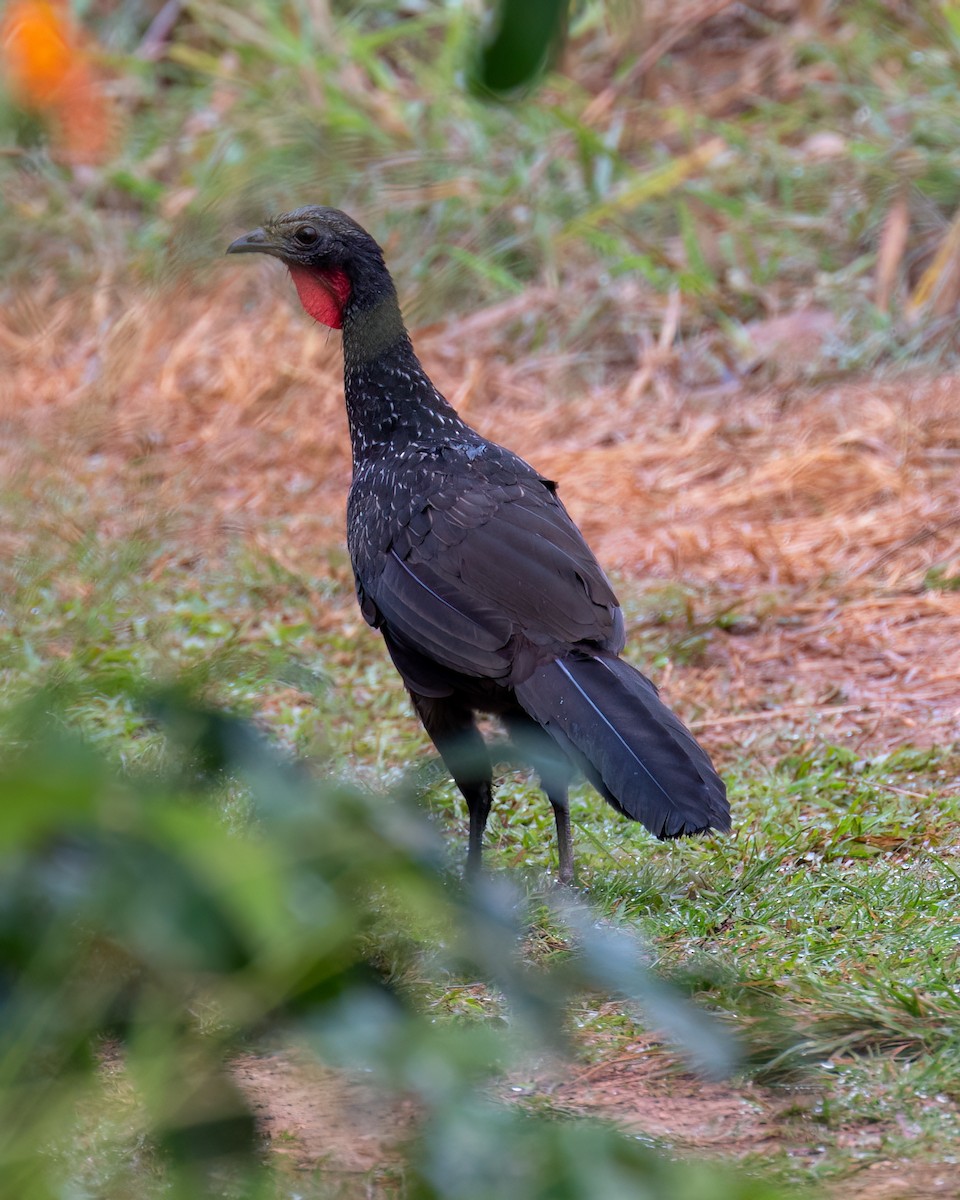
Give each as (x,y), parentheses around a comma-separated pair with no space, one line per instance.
(814,515)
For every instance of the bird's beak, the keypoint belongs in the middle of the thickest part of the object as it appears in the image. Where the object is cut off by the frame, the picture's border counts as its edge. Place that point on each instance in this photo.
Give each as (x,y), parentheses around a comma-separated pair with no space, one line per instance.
(255,242)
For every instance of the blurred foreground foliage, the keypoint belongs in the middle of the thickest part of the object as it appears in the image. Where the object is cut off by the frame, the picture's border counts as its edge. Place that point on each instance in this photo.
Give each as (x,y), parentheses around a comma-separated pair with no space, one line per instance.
(525,36)
(165,919)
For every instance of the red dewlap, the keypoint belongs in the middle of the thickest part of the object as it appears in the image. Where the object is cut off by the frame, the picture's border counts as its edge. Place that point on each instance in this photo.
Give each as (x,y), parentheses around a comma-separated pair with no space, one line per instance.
(322,293)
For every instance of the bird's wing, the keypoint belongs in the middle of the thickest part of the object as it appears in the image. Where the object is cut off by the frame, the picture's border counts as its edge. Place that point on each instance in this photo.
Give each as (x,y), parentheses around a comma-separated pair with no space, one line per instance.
(489,578)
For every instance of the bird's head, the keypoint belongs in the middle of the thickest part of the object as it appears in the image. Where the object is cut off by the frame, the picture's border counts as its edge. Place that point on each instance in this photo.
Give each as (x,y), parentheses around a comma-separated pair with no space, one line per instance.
(334,262)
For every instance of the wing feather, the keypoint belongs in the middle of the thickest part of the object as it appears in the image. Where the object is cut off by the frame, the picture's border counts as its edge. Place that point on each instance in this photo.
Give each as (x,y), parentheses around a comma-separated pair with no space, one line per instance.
(446,624)
(488,577)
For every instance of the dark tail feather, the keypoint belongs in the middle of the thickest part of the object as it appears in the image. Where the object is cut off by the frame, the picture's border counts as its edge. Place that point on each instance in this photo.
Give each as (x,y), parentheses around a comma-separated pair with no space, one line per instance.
(637,754)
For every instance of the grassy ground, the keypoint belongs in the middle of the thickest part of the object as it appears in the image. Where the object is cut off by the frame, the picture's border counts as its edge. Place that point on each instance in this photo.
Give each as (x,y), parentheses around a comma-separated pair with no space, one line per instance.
(824,929)
(175,468)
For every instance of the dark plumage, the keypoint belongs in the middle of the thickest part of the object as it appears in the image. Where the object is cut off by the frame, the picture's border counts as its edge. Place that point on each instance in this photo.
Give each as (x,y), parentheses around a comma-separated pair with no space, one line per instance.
(487,596)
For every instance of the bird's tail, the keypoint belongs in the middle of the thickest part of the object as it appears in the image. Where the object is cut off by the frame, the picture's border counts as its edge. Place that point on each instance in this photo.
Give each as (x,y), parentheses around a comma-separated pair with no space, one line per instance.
(610,721)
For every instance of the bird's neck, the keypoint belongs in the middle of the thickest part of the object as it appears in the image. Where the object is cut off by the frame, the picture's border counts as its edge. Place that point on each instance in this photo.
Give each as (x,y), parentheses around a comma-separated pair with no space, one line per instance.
(391,401)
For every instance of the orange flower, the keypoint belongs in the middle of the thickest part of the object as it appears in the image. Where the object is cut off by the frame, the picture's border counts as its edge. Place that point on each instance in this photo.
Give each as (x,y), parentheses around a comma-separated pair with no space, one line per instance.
(38,50)
(48,70)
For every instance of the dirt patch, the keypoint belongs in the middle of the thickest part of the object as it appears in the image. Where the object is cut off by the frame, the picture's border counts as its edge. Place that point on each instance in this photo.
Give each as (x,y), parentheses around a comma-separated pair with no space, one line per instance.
(342,1127)
(319,1118)
(640,1095)
(736,1122)
(901,1181)
(322,1120)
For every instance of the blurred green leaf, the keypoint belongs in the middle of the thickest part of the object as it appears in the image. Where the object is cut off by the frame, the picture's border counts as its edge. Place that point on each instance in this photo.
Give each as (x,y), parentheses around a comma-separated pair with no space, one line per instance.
(131,911)
(525,35)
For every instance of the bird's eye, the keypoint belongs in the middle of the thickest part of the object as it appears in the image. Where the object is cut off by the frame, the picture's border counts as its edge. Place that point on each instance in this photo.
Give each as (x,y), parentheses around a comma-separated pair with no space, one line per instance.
(306,235)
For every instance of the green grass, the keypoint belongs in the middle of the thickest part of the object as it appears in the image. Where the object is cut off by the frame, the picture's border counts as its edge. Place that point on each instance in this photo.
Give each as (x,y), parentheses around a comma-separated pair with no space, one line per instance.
(257,109)
(824,931)
(187,913)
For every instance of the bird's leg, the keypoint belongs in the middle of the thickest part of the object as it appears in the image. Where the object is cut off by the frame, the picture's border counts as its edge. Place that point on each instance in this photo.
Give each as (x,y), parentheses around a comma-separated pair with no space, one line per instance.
(453,731)
(479,797)
(555,771)
(561,815)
